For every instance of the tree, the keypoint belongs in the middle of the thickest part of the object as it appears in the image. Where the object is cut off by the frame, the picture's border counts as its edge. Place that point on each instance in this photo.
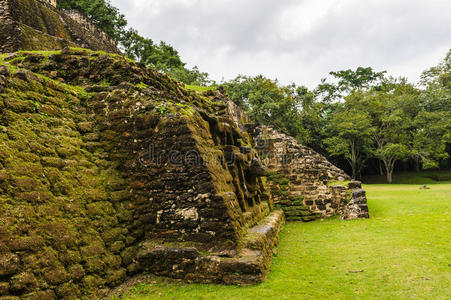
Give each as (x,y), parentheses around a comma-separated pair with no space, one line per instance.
(261,96)
(312,122)
(390,153)
(350,134)
(393,122)
(137,47)
(347,82)
(431,138)
(191,76)
(268,103)
(162,57)
(349,87)
(433,122)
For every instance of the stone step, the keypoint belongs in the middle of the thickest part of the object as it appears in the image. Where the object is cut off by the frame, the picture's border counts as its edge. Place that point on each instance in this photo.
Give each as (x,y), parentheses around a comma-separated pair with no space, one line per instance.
(357,193)
(247,265)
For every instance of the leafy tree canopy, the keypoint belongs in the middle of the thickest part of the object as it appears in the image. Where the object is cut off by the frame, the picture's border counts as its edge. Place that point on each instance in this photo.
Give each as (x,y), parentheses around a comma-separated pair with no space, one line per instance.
(347,82)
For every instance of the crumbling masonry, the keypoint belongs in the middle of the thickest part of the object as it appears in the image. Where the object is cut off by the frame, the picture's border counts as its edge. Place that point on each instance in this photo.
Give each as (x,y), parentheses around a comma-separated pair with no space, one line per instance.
(99,182)
(303,183)
(109,169)
(39,25)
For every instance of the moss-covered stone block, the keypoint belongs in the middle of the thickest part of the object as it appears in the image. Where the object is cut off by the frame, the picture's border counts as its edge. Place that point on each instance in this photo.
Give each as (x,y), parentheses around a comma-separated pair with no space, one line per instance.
(76,272)
(23,282)
(99,154)
(56,276)
(4,288)
(68,291)
(9,264)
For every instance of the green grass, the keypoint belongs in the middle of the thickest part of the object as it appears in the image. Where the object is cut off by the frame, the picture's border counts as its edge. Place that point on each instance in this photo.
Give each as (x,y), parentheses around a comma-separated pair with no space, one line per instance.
(200,88)
(42,52)
(423,177)
(404,251)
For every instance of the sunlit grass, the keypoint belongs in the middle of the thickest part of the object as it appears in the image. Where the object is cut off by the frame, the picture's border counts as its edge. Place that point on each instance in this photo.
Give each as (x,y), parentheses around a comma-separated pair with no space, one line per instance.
(200,88)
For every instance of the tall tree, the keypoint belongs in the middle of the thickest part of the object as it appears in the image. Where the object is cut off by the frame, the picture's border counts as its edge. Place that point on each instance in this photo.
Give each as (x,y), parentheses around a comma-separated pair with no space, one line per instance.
(394,123)
(162,57)
(350,134)
(312,122)
(432,138)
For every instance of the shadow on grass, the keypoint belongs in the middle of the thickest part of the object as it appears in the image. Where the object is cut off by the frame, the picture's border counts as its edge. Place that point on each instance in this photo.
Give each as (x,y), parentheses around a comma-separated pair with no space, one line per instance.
(421,178)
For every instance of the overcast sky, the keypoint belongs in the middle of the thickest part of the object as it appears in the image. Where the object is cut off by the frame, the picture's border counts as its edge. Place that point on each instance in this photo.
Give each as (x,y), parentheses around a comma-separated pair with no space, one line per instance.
(297,41)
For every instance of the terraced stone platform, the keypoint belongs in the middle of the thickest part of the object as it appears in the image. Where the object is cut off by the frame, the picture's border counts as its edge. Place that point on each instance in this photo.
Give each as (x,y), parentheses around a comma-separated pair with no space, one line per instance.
(247,264)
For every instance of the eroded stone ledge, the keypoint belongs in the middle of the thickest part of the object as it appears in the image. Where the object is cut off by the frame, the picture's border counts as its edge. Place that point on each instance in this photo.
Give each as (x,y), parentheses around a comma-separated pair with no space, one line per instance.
(246,265)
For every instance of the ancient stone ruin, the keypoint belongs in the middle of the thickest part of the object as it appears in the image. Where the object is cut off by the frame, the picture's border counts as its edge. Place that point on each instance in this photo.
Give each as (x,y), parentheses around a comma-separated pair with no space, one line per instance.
(95,30)
(109,169)
(303,183)
(39,25)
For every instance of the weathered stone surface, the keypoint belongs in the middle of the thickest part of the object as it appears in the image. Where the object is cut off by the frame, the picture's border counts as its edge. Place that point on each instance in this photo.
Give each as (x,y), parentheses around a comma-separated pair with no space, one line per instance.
(4,288)
(4,70)
(9,264)
(303,183)
(108,169)
(39,25)
(86,178)
(23,282)
(247,265)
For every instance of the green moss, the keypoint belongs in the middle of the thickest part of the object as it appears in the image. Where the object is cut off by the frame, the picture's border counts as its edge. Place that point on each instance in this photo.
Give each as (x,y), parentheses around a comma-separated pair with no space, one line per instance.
(33,39)
(43,52)
(92,282)
(142,85)
(338,183)
(279,179)
(162,109)
(76,272)
(200,88)
(56,276)
(62,152)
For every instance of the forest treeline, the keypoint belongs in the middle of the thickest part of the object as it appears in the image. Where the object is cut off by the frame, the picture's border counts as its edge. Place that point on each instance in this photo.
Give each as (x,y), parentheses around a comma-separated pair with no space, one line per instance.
(365,121)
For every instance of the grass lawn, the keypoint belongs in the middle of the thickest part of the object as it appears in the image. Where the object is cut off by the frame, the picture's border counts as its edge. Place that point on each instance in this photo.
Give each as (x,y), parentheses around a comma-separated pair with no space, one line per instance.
(402,252)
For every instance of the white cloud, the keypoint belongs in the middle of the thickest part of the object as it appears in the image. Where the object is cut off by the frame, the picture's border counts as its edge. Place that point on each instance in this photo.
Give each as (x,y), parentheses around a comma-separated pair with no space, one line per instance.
(298,41)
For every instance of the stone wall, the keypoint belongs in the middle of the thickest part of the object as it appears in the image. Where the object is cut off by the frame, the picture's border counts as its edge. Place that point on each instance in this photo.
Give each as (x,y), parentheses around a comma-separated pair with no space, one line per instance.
(8,28)
(88,25)
(304,183)
(38,25)
(108,169)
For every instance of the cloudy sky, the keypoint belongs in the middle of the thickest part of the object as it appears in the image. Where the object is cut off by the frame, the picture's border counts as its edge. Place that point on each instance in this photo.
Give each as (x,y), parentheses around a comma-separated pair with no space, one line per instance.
(297,41)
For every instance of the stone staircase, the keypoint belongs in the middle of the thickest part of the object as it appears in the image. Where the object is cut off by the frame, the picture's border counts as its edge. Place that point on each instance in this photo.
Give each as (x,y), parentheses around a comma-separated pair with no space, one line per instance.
(248,264)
